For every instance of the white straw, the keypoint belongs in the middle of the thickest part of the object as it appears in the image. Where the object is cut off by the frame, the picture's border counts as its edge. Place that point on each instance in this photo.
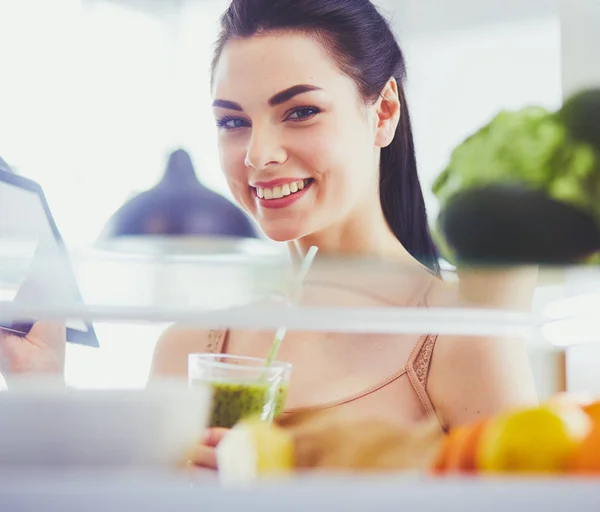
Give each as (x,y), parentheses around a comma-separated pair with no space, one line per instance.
(297,286)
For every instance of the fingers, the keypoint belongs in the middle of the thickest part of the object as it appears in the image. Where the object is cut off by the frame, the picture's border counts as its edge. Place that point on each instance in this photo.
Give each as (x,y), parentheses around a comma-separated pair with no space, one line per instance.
(50,333)
(47,328)
(204,454)
(214,436)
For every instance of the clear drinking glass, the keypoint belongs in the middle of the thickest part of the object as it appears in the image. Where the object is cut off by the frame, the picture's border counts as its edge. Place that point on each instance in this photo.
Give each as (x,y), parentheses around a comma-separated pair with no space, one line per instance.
(241,386)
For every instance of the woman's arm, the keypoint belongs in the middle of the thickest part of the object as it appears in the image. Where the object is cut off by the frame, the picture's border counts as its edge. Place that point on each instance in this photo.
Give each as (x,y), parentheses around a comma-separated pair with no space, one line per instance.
(479,376)
(476,377)
(170,358)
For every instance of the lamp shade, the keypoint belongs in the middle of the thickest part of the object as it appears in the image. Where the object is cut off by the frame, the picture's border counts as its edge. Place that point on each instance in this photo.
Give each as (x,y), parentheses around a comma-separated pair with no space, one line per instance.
(179,205)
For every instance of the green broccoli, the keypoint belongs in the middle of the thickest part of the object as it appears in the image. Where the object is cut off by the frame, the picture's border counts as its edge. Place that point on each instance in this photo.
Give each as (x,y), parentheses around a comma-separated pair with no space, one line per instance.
(531,147)
(581,116)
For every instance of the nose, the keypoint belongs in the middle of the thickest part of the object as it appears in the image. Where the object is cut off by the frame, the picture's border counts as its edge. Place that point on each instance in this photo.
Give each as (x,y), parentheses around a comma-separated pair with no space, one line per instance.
(264,149)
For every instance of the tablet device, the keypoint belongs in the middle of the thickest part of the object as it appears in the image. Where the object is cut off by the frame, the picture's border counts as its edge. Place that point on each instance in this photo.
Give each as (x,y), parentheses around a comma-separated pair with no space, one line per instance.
(34,264)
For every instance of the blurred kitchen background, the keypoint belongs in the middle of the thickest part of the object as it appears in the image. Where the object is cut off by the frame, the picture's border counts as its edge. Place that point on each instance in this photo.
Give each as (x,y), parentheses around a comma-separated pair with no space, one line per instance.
(95,95)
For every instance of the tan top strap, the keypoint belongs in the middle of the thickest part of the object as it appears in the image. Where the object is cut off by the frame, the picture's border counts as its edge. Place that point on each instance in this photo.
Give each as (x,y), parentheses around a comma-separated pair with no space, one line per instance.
(354,397)
(217,341)
(417,368)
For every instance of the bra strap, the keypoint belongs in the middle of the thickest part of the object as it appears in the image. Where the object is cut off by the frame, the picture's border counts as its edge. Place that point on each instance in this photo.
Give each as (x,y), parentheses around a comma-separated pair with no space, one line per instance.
(217,341)
(417,369)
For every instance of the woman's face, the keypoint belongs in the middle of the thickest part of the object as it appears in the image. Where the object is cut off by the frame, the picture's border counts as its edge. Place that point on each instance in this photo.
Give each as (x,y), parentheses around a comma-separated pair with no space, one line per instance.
(297,144)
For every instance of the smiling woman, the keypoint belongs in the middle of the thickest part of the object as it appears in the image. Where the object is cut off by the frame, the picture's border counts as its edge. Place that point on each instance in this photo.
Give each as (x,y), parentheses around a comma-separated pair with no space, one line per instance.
(316,144)
(309,124)
(305,106)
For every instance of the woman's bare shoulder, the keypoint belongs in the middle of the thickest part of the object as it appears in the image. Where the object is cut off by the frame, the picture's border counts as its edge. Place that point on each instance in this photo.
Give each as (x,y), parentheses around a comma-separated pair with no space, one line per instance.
(172,348)
(475,376)
(179,340)
(479,376)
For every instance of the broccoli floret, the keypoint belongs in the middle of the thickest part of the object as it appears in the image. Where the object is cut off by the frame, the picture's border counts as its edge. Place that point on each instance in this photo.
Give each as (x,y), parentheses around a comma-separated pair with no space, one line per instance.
(580,115)
(531,147)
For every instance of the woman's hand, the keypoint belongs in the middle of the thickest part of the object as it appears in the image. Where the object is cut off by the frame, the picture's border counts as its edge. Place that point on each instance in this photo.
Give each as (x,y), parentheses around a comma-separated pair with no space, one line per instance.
(204,455)
(41,351)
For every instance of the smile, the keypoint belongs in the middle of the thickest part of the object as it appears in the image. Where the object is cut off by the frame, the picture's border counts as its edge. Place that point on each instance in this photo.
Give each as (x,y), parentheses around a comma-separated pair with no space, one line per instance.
(282,195)
(282,190)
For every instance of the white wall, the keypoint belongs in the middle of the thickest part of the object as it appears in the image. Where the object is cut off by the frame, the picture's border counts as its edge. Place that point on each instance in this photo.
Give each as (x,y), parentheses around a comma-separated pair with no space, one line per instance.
(94,95)
(580,20)
(458,80)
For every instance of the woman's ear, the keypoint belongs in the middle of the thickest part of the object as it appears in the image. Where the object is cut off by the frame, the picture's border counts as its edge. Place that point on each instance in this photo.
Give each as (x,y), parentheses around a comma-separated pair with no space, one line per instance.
(388,114)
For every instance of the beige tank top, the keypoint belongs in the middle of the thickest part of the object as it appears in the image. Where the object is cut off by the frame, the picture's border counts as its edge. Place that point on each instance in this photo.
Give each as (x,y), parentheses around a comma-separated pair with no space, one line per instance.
(402,397)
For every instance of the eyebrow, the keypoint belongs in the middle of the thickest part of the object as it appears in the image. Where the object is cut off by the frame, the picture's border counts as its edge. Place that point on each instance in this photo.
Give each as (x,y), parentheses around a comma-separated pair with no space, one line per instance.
(277,99)
(288,94)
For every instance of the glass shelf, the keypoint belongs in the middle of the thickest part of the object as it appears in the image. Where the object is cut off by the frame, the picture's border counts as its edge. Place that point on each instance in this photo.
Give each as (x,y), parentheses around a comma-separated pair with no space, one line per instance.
(100,492)
(246,285)
(469,322)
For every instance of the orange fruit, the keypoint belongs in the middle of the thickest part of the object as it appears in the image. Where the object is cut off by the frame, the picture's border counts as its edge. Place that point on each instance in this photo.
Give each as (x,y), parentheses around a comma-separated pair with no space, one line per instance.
(535,440)
(462,453)
(470,448)
(586,457)
(593,411)
(441,462)
(457,441)
(459,450)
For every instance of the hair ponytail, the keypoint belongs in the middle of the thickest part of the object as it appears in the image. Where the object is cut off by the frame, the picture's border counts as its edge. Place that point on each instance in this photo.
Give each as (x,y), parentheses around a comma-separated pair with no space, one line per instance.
(401,196)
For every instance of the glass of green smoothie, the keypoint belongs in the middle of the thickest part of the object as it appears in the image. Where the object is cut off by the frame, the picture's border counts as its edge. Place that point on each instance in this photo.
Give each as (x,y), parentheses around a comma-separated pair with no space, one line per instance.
(241,386)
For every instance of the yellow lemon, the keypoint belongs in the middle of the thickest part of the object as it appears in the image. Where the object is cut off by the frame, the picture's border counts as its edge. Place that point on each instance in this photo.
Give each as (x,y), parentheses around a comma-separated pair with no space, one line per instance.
(537,440)
(254,449)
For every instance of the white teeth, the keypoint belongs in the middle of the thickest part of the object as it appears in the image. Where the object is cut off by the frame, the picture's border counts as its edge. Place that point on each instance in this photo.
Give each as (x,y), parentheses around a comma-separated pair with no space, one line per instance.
(281,191)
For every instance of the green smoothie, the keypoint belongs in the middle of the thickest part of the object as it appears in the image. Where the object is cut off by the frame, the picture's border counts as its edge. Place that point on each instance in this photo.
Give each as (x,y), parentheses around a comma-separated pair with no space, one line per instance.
(234,401)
